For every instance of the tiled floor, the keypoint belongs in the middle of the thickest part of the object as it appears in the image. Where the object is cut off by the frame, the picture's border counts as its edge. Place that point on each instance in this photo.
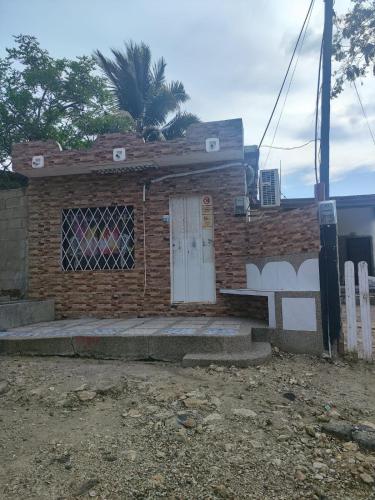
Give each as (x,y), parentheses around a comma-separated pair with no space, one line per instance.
(134,326)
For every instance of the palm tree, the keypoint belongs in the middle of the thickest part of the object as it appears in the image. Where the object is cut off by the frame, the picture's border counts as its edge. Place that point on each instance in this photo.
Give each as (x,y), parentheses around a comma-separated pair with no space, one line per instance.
(141,89)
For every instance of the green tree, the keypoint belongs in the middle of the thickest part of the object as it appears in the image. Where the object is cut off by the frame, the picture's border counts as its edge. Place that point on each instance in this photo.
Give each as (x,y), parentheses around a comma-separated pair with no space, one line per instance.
(140,88)
(46,98)
(354,43)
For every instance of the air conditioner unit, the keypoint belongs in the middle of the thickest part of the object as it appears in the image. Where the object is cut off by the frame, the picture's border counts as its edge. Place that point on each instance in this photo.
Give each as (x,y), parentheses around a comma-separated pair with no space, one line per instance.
(269,187)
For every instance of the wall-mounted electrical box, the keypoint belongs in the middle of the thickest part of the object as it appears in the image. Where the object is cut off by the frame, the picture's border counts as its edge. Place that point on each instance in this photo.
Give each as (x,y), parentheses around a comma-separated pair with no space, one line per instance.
(37,162)
(327,213)
(119,154)
(212,144)
(241,206)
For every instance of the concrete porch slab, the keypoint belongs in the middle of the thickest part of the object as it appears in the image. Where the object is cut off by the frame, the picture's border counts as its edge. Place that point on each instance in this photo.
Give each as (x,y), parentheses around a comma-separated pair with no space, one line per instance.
(167,339)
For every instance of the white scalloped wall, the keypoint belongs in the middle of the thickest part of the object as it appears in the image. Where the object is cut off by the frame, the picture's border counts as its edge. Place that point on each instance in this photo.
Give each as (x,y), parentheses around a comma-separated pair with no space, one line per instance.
(281,275)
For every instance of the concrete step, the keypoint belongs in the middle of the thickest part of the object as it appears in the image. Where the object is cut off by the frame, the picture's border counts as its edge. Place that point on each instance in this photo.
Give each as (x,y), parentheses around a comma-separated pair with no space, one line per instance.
(25,312)
(260,352)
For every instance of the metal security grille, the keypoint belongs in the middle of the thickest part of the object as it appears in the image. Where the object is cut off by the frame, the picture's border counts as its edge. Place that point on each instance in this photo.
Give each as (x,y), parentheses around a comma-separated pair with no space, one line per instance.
(97,238)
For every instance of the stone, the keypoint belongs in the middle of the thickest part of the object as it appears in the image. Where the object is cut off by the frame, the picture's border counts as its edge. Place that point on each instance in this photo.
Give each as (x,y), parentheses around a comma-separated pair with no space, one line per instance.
(4,387)
(283,437)
(216,401)
(334,414)
(365,439)
(320,466)
(342,430)
(244,412)
(85,396)
(87,486)
(366,423)
(133,413)
(366,478)
(310,430)
(195,403)
(300,476)
(82,387)
(106,388)
(187,421)
(212,417)
(323,418)
(350,446)
(290,396)
(221,490)
(131,455)
(109,457)
(36,392)
(157,480)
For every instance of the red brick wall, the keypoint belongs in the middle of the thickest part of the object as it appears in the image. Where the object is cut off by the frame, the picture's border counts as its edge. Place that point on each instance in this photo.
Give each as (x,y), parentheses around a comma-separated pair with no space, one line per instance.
(192,147)
(118,293)
(278,232)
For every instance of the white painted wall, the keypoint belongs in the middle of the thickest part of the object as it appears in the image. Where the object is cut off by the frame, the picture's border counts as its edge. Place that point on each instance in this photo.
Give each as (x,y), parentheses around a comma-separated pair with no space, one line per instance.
(281,275)
(299,314)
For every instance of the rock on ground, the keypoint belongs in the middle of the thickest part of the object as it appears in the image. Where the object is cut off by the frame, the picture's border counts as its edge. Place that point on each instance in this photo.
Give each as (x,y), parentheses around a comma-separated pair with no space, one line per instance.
(82,428)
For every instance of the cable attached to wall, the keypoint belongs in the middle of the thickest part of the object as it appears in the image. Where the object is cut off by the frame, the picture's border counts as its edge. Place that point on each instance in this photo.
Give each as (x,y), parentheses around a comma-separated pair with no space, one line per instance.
(144,242)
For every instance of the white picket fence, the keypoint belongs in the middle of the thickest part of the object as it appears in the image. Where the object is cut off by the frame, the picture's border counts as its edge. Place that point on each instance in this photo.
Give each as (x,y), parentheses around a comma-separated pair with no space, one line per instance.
(361,349)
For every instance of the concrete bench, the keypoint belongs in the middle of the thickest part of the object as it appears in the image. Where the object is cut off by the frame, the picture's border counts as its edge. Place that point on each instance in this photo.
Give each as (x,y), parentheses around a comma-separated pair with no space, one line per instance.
(260,293)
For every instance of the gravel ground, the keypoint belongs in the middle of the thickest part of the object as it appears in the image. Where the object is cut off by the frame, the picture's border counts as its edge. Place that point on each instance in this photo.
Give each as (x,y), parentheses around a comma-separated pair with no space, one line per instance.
(83,428)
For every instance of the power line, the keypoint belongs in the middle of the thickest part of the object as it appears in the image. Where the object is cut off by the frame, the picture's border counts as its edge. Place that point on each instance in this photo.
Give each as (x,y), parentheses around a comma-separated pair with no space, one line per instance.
(364,113)
(287,72)
(286,148)
(290,82)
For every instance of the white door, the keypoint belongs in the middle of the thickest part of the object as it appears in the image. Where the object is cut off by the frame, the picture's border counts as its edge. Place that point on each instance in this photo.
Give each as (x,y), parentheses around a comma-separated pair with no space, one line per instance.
(192,249)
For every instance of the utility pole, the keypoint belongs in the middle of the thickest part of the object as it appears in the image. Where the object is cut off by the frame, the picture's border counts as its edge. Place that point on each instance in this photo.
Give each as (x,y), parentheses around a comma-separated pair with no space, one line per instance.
(326,96)
(328,257)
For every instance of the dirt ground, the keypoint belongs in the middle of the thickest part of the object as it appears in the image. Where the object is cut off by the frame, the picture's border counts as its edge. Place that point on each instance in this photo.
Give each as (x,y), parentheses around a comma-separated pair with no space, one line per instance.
(84,428)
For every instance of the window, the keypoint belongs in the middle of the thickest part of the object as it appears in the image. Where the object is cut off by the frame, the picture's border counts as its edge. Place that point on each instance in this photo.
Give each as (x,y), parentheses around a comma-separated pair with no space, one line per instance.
(97,238)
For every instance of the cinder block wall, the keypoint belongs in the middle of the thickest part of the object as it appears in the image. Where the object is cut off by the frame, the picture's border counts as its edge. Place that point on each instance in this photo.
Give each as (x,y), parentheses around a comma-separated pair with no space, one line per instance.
(13,242)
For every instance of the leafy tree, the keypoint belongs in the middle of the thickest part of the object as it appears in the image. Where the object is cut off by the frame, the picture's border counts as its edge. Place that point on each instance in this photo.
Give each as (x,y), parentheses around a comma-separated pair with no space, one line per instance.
(46,98)
(140,88)
(354,43)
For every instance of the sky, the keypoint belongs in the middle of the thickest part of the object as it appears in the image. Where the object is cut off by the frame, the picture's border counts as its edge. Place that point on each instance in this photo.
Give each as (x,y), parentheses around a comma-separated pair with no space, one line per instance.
(231,56)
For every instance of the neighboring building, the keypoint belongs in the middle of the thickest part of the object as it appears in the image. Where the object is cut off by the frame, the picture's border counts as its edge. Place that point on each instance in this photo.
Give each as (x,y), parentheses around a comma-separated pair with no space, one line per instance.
(355,228)
(162,228)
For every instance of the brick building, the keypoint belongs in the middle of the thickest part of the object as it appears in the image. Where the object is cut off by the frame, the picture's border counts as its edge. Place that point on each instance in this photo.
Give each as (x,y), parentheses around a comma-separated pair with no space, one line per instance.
(134,228)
